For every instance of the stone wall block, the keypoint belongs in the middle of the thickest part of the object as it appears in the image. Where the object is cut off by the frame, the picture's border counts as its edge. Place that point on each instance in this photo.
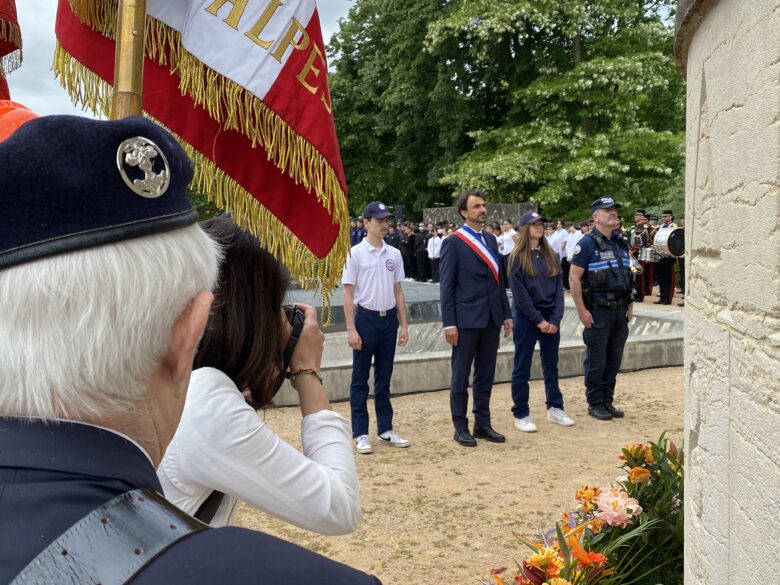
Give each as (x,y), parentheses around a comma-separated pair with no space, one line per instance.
(707,446)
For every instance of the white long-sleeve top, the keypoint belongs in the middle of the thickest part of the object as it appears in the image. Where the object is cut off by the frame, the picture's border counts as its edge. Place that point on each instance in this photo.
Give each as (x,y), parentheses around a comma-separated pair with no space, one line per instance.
(434,247)
(222,444)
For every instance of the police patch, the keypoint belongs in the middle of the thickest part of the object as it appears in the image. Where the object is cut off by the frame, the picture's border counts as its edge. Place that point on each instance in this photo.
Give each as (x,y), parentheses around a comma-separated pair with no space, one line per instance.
(390,265)
(577,249)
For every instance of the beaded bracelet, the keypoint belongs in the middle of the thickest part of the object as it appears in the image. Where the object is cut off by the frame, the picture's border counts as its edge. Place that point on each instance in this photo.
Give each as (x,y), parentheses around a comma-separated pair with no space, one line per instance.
(312,372)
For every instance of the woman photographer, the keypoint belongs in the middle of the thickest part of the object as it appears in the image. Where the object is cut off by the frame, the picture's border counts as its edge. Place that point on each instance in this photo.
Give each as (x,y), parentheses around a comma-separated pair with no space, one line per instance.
(222,450)
(537,292)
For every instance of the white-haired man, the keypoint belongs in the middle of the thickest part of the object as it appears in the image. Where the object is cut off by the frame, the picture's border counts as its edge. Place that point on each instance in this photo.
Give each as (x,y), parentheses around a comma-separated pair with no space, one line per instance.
(105,288)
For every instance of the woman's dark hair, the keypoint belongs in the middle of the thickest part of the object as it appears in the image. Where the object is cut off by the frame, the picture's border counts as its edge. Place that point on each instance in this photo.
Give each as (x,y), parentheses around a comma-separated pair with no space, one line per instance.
(243,335)
(521,258)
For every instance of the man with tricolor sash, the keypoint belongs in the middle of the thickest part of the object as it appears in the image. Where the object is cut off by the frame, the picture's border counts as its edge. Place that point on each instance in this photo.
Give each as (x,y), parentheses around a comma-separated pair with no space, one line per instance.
(474,307)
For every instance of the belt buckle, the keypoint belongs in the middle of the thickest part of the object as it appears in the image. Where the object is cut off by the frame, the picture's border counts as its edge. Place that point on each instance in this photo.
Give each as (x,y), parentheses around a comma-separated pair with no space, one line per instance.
(383,313)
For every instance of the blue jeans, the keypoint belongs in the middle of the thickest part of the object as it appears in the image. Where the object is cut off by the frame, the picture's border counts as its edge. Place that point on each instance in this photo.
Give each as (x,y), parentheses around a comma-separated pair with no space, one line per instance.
(526,334)
(378,335)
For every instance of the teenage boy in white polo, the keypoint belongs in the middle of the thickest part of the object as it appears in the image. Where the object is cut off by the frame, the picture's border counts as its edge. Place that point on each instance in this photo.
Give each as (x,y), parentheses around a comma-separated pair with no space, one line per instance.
(374,307)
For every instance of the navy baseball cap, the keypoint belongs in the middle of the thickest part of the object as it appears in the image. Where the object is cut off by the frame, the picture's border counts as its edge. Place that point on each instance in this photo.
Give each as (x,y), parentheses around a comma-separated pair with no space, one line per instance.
(68,183)
(531,217)
(604,203)
(377,210)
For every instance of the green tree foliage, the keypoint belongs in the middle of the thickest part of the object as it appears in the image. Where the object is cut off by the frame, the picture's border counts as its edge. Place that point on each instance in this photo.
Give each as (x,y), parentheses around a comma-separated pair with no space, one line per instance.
(553,101)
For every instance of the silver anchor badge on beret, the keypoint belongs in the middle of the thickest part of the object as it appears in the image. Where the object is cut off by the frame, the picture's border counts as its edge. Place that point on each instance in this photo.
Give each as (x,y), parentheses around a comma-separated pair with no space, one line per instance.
(141,152)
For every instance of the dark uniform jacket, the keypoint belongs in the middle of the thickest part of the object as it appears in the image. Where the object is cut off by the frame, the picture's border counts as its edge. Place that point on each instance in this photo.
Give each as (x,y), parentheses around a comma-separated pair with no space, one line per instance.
(52,475)
(408,242)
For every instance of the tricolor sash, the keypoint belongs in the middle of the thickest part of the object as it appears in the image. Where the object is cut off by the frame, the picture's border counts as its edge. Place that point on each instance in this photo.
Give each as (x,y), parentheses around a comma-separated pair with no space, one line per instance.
(480,248)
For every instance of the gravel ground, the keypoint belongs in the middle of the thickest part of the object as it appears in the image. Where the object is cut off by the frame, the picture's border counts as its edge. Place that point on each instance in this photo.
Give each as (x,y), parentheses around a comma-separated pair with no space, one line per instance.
(444,513)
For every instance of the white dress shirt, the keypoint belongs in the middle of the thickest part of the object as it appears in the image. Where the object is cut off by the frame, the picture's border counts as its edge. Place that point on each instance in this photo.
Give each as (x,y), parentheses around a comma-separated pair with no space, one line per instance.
(222,444)
(374,272)
(434,246)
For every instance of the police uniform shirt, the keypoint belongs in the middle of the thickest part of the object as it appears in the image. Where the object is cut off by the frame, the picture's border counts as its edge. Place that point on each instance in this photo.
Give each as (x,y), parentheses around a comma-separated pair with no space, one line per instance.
(614,259)
(374,272)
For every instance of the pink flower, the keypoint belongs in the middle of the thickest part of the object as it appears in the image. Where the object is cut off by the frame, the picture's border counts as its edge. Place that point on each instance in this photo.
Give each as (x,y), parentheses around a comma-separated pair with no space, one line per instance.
(616,507)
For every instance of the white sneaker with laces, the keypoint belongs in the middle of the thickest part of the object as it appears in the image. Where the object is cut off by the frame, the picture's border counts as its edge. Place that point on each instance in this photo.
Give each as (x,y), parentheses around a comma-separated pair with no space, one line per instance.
(559,417)
(363,445)
(394,439)
(525,424)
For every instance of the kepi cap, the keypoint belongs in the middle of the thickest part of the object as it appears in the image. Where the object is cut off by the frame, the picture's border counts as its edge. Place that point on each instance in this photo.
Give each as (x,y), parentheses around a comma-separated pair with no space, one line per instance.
(667,212)
(70,183)
(531,217)
(604,203)
(377,210)
(642,211)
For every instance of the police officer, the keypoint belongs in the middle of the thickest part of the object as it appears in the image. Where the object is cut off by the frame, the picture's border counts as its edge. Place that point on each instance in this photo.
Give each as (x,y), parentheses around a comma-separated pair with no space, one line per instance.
(107,278)
(375,312)
(600,280)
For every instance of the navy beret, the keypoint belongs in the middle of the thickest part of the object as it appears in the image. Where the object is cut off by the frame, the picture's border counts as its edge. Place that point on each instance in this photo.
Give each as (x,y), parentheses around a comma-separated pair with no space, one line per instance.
(69,183)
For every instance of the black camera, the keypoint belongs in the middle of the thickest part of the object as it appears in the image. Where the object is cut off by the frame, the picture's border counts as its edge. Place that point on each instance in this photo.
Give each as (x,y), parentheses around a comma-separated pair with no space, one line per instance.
(296,318)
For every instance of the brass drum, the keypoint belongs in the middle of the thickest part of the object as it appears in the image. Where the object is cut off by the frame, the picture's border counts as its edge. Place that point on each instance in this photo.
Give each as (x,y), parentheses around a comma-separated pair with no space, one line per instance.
(670,241)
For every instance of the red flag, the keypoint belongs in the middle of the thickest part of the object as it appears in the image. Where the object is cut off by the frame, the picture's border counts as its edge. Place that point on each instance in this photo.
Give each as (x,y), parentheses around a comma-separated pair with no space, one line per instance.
(10,37)
(10,44)
(243,86)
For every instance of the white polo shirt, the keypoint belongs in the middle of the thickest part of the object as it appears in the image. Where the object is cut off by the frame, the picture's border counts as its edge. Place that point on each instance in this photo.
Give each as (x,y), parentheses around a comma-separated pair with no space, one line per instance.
(374,272)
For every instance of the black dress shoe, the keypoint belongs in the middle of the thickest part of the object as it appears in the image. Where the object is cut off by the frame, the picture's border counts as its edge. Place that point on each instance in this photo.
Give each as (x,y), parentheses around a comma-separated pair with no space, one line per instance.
(615,412)
(659,302)
(464,438)
(488,434)
(599,412)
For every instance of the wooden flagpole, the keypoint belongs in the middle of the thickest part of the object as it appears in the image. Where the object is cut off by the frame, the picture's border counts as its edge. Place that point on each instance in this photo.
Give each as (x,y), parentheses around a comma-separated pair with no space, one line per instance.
(129,63)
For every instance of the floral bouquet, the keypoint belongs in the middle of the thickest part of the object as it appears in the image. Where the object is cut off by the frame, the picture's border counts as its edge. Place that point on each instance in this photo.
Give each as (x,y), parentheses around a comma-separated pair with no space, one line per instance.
(629,532)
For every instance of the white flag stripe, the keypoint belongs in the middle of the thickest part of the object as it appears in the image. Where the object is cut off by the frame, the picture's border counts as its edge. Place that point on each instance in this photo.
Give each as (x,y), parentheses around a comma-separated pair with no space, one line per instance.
(231,52)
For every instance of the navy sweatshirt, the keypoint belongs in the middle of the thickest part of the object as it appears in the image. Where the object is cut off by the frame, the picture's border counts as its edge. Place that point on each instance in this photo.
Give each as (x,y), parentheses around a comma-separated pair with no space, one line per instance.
(534,295)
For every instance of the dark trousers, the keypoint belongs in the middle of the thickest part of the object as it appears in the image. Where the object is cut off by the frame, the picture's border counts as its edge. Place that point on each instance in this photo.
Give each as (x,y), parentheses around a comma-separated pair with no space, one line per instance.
(378,335)
(410,267)
(526,335)
(435,269)
(681,262)
(423,266)
(480,347)
(647,278)
(666,279)
(565,267)
(604,343)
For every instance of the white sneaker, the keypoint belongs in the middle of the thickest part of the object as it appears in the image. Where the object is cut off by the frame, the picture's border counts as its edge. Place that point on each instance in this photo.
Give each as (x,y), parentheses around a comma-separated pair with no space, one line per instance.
(559,417)
(363,445)
(393,438)
(525,424)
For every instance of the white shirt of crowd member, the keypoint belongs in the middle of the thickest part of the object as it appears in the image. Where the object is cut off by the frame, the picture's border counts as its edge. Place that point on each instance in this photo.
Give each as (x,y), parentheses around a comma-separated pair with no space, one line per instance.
(506,241)
(434,244)
(572,238)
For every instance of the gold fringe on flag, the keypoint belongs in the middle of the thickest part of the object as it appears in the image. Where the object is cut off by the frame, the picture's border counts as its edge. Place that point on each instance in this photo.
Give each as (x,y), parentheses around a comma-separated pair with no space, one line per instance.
(89,90)
(230,104)
(10,33)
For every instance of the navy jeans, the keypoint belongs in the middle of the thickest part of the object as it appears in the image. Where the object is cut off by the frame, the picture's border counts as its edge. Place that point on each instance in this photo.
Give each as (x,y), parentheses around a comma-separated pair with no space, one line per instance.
(604,343)
(526,335)
(379,335)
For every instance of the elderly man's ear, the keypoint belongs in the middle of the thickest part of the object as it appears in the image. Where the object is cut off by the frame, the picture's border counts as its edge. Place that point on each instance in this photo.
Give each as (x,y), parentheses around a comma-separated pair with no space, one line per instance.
(185,335)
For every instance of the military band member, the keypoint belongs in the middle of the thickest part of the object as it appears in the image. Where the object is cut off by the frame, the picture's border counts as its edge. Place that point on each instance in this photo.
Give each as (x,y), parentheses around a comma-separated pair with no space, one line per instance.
(665,266)
(639,238)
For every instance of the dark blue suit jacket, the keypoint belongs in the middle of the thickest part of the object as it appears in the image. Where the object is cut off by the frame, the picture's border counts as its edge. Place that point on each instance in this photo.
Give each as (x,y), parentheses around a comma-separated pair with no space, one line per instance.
(470,296)
(53,475)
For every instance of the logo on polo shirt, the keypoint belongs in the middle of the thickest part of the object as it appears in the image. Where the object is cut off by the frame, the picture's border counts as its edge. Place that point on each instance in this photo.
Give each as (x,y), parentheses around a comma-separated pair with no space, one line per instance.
(390,264)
